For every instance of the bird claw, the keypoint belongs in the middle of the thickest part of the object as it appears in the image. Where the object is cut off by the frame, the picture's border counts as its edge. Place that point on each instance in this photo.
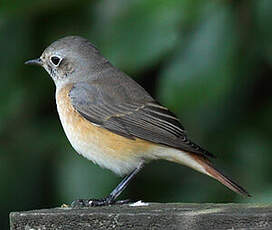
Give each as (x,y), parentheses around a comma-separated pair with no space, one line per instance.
(84,203)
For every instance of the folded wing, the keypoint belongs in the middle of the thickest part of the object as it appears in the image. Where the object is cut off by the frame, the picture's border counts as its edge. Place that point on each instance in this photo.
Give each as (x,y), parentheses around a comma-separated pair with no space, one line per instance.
(131,117)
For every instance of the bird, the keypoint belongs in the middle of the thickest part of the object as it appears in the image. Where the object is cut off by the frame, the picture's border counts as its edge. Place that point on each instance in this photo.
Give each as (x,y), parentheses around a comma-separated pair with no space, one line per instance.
(113,121)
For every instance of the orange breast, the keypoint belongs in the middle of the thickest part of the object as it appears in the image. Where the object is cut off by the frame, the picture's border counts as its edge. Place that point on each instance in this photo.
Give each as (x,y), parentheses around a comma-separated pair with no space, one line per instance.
(98,144)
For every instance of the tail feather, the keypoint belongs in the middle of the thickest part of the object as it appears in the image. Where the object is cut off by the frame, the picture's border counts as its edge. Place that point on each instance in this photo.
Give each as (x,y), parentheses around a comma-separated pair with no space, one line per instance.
(204,165)
(225,180)
(216,174)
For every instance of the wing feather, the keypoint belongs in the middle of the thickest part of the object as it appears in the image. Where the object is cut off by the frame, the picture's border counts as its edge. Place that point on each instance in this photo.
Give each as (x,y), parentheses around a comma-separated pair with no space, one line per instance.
(131,118)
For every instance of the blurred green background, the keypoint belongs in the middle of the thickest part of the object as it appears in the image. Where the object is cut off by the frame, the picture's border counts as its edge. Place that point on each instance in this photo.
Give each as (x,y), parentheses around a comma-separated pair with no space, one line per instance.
(210,62)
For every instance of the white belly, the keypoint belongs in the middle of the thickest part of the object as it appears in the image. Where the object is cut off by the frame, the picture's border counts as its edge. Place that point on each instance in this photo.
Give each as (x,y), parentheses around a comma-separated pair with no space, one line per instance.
(108,150)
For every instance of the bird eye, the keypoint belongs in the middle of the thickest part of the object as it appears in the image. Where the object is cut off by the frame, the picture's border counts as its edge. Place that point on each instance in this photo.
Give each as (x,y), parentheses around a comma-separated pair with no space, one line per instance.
(55,60)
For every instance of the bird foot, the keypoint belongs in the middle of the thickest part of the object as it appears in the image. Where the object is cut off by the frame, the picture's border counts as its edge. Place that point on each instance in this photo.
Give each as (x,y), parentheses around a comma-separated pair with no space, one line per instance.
(84,203)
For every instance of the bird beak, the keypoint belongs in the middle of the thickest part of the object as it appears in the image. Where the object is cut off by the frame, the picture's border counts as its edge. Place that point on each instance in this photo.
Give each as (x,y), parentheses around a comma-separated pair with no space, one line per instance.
(37,61)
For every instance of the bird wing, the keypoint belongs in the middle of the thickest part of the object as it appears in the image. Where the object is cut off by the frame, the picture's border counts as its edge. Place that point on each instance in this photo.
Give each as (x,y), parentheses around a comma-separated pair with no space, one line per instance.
(117,110)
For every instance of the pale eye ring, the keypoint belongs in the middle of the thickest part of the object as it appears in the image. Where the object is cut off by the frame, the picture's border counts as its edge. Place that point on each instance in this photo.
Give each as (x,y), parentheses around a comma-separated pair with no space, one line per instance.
(55,60)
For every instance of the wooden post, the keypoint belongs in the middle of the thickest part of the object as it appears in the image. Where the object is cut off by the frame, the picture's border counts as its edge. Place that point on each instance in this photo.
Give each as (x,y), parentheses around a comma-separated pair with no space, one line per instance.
(151,216)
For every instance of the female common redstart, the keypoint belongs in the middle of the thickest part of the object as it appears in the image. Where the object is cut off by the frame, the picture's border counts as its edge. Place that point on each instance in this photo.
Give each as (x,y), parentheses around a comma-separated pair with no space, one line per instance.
(112,121)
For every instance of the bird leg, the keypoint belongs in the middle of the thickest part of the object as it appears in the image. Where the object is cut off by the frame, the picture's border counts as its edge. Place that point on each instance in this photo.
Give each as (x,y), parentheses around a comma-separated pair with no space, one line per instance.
(111,198)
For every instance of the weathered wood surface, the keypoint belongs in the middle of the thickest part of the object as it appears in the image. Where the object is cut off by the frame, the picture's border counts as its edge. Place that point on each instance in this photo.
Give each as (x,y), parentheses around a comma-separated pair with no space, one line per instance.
(154,216)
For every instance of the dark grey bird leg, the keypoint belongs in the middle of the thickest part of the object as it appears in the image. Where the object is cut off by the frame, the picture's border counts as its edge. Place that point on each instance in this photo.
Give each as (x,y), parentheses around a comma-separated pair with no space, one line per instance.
(111,198)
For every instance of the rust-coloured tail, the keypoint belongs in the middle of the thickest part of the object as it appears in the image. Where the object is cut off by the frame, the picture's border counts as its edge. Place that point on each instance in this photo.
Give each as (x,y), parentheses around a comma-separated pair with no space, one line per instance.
(203,165)
(216,174)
